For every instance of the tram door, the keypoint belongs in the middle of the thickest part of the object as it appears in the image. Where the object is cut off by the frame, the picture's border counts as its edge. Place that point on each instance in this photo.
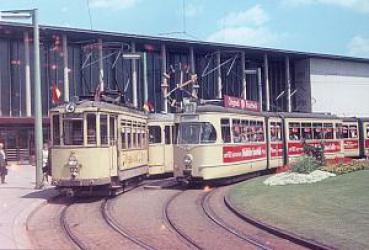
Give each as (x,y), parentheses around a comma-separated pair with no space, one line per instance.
(113,145)
(168,148)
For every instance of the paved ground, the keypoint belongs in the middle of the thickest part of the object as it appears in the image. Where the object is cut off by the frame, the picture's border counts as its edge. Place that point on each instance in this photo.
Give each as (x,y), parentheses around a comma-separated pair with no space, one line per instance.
(18,199)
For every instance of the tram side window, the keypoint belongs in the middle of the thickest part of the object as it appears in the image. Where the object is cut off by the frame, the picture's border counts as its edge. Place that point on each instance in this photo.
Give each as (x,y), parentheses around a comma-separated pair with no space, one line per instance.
(294,131)
(56,130)
(73,132)
(167,134)
(339,131)
(112,129)
(367,131)
(174,133)
(253,131)
(345,132)
(154,134)
(328,131)
(104,129)
(129,138)
(236,129)
(259,131)
(275,131)
(244,131)
(306,131)
(318,131)
(91,129)
(353,131)
(124,139)
(226,130)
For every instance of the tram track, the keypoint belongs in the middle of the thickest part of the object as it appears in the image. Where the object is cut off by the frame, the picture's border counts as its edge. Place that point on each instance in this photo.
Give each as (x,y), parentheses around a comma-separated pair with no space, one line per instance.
(184,237)
(217,220)
(106,212)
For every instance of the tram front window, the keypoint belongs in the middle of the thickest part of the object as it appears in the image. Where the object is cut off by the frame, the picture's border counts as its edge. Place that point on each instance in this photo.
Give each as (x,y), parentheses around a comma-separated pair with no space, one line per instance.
(196,133)
(73,132)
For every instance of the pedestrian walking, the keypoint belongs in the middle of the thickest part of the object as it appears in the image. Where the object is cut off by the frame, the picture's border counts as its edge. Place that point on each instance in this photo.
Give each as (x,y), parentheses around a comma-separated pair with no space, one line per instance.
(45,162)
(3,169)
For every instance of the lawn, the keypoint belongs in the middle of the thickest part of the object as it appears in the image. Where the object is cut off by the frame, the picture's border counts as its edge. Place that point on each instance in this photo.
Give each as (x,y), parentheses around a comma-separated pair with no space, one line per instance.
(334,211)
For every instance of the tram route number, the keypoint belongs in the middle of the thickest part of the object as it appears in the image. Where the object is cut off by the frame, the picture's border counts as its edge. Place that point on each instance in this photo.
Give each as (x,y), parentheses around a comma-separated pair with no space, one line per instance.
(243,152)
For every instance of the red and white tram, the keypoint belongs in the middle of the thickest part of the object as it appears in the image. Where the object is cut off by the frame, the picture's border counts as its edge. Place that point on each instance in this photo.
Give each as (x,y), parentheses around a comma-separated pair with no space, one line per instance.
(351,137)
(216,142)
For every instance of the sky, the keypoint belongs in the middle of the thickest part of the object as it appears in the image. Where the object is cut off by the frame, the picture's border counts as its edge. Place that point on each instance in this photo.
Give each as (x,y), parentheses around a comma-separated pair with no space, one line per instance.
(338,27)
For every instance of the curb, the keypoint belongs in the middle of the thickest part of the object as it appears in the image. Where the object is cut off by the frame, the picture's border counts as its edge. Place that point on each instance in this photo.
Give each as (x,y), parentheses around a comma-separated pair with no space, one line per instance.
(20,229)
(312,244)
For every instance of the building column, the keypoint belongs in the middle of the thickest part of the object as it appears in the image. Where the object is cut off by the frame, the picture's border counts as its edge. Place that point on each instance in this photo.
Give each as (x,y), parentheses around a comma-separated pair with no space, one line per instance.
(243,70)
(266,83)
(195,86)
(101,66)
(66,69)
(219,76)
(27,69)
(288,85)
(134,77)
(164,83)
(260,89)
(145,80)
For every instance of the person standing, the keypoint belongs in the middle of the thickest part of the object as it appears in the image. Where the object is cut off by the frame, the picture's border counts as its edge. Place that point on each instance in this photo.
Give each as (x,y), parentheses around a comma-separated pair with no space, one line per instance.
(3,169)
(45,162)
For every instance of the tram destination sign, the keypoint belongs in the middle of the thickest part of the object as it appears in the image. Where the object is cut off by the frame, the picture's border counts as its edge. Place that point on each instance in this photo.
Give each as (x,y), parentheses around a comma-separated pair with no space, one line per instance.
(239,103)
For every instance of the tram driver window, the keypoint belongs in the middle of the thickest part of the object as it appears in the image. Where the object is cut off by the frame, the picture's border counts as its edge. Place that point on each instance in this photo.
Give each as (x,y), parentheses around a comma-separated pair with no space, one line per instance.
(208,133)
(56,130)
(104,130)
(73,132)
(91,128)
(226,130)
(154,134)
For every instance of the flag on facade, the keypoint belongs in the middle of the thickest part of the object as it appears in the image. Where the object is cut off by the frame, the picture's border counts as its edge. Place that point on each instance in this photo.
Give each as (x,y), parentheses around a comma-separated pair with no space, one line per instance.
(148,107)
(55,94)
(98,93)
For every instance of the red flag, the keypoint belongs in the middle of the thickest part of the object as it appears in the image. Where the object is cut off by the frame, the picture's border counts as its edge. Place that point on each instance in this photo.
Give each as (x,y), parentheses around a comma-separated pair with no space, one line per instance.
(55,94)
(148,107)
(98,93)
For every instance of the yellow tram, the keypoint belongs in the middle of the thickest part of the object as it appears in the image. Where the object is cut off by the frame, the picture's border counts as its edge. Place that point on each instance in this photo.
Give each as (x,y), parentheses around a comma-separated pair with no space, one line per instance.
(162,136)
(97,144)
(216,142)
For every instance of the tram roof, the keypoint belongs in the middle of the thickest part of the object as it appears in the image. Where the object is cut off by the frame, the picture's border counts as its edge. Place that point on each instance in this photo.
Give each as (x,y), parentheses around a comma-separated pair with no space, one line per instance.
(103,105)
(221,109)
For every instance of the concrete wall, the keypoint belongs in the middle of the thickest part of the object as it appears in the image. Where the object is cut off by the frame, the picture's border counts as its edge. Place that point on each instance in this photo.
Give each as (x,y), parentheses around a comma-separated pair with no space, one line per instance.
(339,87)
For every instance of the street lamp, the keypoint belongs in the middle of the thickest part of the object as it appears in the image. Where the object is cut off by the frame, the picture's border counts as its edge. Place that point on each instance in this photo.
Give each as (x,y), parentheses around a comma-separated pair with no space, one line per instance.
(33,14)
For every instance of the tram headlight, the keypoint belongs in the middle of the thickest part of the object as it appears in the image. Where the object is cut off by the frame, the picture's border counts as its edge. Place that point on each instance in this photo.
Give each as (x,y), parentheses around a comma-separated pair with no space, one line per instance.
(187,160)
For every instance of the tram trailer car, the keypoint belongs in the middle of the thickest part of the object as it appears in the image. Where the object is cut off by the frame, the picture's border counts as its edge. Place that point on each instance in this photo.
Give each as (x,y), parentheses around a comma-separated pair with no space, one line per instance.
(162,136)
(351,137)
(97,145)
(364,130)
(216,142)
(355,133)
